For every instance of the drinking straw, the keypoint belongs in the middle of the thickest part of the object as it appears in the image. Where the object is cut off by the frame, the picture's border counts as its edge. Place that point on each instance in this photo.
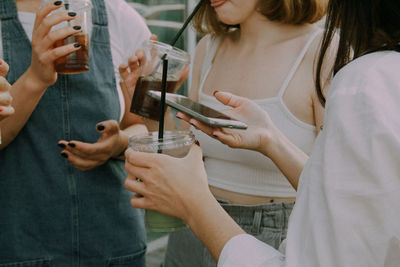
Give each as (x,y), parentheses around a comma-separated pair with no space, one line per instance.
(165,69)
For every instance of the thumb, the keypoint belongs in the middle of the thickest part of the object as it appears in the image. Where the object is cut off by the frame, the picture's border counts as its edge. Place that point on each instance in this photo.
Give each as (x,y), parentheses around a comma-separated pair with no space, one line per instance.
(3,68)
(195,154)
(108,128)
(154,37)
(229,99)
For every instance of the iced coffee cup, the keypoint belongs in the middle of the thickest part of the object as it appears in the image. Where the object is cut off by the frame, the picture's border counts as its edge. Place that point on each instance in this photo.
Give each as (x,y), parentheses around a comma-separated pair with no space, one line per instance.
(175,144)
(78,61)
(151,76)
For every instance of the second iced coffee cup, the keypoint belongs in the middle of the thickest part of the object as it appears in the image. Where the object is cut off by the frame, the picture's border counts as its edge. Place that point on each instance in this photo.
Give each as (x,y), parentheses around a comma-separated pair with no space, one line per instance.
(151,76)
(175,144)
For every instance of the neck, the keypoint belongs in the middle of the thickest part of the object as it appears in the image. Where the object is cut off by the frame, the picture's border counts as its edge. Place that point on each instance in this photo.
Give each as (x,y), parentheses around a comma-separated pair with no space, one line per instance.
(28,5)
(259,30)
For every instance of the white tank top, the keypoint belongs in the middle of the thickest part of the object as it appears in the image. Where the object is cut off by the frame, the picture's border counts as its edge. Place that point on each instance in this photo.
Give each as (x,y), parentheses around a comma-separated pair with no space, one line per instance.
(245,171)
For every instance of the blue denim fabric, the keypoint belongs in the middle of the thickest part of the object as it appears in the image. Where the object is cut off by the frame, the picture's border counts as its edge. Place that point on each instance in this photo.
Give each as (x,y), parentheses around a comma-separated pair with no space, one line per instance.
(267,223)
(52,214)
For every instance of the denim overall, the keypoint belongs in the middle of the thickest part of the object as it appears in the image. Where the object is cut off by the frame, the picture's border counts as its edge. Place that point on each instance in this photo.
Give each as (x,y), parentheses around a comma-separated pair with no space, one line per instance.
(52,214)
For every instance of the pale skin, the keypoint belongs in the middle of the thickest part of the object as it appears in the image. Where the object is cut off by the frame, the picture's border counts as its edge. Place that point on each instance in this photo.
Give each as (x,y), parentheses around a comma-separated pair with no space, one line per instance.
(29,88)
(253,63)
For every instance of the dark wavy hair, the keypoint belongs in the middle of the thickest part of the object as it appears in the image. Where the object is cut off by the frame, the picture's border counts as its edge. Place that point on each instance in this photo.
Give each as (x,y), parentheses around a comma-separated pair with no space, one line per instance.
(364,26)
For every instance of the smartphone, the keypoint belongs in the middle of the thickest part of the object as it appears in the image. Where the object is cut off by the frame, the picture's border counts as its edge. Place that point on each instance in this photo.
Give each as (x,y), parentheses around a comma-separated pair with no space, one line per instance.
(198,111)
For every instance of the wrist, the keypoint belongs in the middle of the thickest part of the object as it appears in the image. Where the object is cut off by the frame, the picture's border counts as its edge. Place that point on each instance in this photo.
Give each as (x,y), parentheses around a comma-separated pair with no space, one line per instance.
(271,142)
(198,208)
(34,82)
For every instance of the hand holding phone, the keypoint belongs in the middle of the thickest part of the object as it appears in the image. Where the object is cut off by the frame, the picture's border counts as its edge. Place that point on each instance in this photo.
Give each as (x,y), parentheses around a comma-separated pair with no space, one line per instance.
(198,111)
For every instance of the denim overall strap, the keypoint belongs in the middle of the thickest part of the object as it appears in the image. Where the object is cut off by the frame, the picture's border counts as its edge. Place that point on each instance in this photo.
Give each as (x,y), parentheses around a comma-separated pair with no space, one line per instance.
(50,212)
(9,19)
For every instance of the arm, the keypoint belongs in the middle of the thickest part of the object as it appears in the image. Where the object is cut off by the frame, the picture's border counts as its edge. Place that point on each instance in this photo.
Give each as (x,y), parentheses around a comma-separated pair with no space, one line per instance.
(30,87)
(5,98)
(179,187)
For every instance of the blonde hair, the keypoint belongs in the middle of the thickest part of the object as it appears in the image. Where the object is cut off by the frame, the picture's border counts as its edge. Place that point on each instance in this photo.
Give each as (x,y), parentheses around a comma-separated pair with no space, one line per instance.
(294,12)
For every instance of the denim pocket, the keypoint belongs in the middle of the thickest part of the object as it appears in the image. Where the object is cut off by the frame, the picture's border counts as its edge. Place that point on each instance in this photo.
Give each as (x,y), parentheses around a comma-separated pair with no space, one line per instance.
(31,263)
(135,259)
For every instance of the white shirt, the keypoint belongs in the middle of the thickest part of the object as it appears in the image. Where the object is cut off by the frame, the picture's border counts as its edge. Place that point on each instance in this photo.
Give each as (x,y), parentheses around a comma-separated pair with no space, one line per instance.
(127,30)
(347,212)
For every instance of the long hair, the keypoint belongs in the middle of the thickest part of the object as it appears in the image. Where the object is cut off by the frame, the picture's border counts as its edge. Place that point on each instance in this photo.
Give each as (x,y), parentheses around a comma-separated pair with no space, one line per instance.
(364,26)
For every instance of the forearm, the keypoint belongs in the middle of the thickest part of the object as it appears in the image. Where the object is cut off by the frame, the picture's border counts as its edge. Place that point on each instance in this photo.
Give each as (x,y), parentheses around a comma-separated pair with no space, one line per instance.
(287,157)
(26,92)
(211,224)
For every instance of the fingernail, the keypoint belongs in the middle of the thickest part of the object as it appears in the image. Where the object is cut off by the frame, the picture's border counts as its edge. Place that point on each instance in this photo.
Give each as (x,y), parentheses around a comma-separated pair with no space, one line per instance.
(1,109)
(62,145)
(77,45)
(71,144)
(216,91)
(197,142)
(72,14)
(77,27)
(65,155)
(100,127)
(1,61)
(57,3)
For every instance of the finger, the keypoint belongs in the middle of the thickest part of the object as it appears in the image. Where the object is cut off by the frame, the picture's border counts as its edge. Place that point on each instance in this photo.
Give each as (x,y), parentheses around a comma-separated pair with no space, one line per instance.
(45,10)
(226,138)
(123,70)
(96,151)
(57,35)
(141,202)
(137,172)
(133,63)
(3,68)
(6,110)
(132,184)
(141,56)
(202,127)
(53,54)
(4,86)
(44,28)
(229,99)
(108,128)
(5,99)
(195,154)
(154,37)
(143,159)
(80,163)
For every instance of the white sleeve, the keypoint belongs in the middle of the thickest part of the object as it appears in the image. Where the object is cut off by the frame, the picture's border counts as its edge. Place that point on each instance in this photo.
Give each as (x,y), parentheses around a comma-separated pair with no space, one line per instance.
(361,162)
(246,251)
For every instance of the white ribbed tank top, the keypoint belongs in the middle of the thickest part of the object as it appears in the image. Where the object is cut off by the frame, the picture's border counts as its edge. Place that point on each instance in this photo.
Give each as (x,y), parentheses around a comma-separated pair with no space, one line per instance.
(245,171)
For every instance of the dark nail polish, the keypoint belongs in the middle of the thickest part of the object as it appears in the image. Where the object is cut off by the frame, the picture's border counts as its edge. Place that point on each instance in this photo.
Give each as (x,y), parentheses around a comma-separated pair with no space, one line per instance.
(197,142)
(72,14)
(100,127)
(71,144)
(215,92)
(65,155)
(77,28)
(62,145)
(77,45)
(57,3)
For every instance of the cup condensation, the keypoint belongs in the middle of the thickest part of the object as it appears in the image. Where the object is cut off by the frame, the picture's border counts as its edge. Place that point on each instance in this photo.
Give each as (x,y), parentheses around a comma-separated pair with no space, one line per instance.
(175,144)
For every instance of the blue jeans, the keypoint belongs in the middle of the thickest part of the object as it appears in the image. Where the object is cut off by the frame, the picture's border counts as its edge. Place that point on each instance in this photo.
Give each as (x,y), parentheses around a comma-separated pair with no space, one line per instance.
(267,222)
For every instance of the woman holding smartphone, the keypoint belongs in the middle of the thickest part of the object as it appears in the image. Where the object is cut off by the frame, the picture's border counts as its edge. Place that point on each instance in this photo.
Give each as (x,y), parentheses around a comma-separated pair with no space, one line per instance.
(264,50)
(341,216)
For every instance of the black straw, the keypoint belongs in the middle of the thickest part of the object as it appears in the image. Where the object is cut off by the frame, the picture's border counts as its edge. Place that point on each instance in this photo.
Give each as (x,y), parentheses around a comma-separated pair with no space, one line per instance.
(163,93)
(186,23)
(165,71)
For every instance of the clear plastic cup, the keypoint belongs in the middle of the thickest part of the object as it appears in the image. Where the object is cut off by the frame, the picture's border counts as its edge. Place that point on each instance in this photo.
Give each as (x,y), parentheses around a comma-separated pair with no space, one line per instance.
(151,76)
(175,144)
(78,61)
